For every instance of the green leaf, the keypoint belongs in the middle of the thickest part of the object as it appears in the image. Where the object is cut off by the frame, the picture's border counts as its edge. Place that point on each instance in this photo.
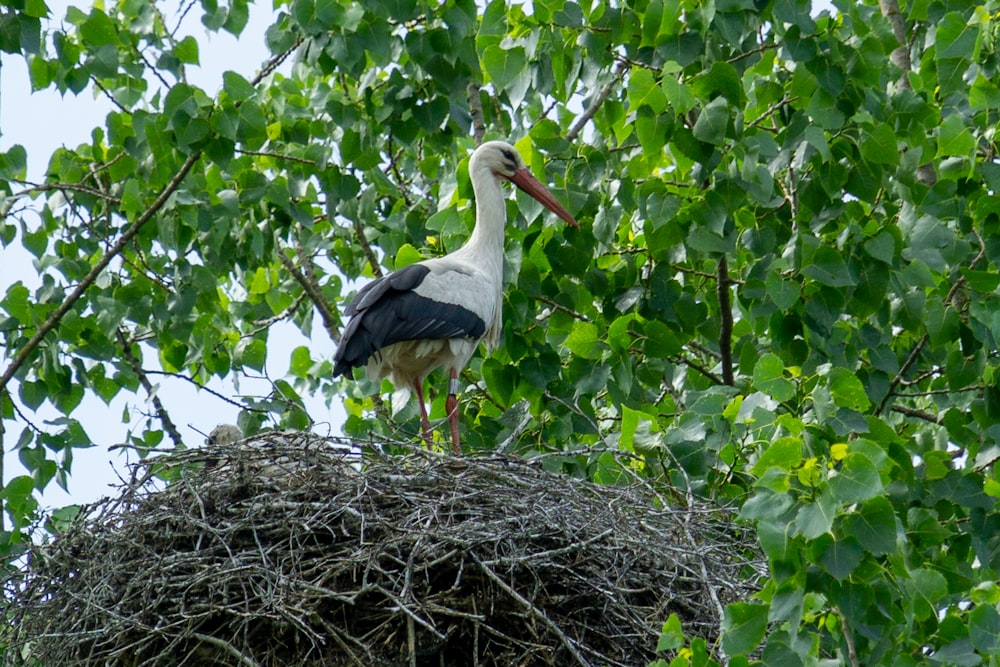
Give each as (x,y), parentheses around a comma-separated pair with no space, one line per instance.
(712,122)
(956,38)
(954,139)
(879,145)
(856,480)
(927,588)
(981,281)
(784,453)
(829,268)
(253,354)
(301,362)
(784,293)
(407,255)
(874,526)
(504,66)
(186,50)
(984,629)
(661,343)
(882,247)
(839,557)
(743,628)
(671,636)
(98,29)
(236,86)
(847,390)
(816,518)
(768,377)
(584,340)
(643,90)
(823,110)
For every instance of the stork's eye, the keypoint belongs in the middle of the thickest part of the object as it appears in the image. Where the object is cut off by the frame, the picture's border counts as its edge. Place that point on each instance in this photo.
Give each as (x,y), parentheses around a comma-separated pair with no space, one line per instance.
(508,155)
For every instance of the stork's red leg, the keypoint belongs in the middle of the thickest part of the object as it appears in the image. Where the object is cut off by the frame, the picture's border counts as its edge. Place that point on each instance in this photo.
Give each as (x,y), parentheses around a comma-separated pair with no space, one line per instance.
(425,423)
(451,406)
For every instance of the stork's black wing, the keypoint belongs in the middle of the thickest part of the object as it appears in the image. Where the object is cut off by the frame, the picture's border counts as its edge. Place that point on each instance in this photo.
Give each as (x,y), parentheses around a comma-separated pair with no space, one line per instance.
(394,308)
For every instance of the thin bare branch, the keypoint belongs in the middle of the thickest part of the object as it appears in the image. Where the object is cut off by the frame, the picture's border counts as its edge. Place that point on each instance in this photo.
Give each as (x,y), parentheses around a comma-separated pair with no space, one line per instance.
(307,281)
(596,103)
(726,323)
(161,412)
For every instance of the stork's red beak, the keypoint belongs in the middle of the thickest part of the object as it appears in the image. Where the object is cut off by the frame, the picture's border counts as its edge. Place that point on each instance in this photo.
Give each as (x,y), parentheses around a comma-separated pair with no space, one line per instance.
(525,180)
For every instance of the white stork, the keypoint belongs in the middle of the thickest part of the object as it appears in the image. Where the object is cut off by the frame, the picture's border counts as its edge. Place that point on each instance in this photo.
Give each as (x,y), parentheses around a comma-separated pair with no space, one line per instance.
(434,313)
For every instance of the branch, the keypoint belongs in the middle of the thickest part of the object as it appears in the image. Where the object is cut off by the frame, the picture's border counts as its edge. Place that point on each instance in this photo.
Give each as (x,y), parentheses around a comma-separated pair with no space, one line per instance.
(227,647)
(161,412)
(133,230)
(694,365)
(901,56)
(919,414)
(201,387)
(535,611)
(312,289)
(73,187)
(918,348)
(558,306)
(366,247)
(726,325)
(476,111)
(603,95)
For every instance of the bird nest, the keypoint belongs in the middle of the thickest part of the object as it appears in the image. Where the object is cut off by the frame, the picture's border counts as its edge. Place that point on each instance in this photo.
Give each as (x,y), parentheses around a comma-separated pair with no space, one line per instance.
(283,550)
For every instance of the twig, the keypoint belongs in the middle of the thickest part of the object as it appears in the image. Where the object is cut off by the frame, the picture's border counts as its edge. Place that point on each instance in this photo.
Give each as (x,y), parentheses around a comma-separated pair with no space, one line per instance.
(476,111)
(533,610)
(227,647)
(726,323)
(366,248)
(558,306)
(595,105)
(161,412)
(312,289)
(73,187)
(698,367)
(276,61)
(278,156)
(917,349)
(201,387)
(919,414)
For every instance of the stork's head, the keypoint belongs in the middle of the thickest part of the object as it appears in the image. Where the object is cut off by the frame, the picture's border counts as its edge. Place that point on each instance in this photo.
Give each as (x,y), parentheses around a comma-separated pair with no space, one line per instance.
(503,160)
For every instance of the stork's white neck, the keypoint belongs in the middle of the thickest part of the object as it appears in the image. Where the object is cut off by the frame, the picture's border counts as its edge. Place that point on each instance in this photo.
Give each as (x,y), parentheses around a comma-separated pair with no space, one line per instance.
(487,240)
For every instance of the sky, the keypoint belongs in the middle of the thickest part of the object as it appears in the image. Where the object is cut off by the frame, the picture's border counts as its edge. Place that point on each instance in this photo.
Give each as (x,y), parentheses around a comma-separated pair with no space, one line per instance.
(44,121)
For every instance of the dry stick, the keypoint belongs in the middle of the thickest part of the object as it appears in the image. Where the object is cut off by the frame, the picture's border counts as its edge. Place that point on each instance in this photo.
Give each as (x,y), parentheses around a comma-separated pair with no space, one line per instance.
(161,412)
(476,111)
(726,325)
(535,611)
(227,647)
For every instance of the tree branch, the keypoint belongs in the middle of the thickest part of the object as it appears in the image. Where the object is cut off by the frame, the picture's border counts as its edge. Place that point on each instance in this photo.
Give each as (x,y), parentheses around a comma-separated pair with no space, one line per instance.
(366,248)
(313,291)
(130,233)
(161,412)
(476,111)
(603,95)
(726,323)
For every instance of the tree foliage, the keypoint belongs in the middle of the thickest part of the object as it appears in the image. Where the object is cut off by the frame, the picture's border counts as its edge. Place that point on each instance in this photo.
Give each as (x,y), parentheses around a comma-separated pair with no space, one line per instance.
(784,296)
